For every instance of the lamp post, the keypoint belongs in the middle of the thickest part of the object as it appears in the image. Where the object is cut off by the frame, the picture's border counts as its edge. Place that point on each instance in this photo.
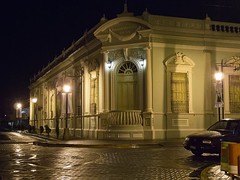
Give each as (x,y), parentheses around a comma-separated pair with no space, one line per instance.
(66,90)
(19,113)
(34,101)
(219,94)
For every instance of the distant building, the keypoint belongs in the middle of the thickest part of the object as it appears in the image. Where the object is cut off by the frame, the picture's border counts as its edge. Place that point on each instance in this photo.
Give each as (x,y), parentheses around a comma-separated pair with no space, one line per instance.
(141,77)
(16,120)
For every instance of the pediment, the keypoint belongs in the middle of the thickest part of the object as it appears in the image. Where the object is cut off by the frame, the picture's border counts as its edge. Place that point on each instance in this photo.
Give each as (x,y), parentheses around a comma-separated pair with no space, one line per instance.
(179,59)
(121,29)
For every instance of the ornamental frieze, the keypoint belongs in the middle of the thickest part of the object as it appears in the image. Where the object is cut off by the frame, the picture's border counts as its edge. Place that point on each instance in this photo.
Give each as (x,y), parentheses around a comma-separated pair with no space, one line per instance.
(176,22)
(136,53)
(117,54)
(127,54)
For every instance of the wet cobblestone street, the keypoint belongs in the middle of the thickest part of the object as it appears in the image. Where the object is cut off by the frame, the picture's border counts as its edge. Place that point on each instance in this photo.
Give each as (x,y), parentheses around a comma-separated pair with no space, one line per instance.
(19,160)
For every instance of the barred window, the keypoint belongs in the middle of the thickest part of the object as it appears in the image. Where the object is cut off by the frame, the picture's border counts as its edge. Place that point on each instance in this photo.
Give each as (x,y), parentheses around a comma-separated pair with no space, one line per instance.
(94,96)
(234,93)
(179,93)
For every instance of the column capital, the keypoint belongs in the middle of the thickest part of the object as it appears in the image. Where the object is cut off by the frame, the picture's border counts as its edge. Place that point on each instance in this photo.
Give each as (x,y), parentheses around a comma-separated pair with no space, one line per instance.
(104,51)
(147,48)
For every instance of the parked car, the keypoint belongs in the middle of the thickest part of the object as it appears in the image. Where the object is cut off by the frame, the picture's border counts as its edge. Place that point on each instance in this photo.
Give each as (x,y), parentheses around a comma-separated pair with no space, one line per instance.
(209,141)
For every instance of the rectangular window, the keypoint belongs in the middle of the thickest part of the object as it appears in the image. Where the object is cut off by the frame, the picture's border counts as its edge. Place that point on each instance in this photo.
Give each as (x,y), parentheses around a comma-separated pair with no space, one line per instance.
(234,93)
(94,96)
(179,93)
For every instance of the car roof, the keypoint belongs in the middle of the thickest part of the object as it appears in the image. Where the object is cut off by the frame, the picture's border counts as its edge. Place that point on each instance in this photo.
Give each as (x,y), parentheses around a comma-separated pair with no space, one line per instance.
(230,119)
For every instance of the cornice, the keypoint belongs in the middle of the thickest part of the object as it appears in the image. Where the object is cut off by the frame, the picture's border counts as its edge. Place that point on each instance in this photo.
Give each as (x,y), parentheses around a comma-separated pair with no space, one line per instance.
(118,20)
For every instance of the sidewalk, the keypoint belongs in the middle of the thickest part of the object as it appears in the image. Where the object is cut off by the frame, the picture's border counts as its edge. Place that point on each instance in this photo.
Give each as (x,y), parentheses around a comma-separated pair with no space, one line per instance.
(212,172)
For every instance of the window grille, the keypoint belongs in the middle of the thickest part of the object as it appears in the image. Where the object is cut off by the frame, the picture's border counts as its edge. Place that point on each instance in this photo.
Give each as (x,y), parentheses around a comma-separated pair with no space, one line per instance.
(234,93)
(94,96)
(179,93)
(128,68)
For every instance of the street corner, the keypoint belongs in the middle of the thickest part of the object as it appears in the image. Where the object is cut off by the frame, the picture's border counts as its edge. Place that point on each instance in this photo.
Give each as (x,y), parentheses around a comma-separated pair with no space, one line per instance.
(214,172)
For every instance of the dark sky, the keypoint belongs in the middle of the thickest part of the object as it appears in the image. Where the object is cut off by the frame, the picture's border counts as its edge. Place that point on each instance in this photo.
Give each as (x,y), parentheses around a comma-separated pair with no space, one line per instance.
(33,32)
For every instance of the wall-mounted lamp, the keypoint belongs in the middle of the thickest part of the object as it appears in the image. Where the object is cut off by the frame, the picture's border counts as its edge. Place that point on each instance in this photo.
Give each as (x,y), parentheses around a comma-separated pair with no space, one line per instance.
(141,61)
(109,64)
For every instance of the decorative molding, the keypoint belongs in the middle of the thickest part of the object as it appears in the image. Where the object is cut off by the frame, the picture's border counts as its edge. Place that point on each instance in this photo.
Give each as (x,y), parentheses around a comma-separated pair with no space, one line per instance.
(233,62)
(176,22)
(179,59)
(179,63)
(117,54)
(124,37)
(137,53)
(59,84)
(51,84)
(127,54)
(78,71)
(180,122)
(93,64)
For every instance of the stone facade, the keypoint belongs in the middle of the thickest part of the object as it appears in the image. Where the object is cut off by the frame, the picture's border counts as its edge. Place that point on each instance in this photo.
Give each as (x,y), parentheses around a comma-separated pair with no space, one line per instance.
(140,77)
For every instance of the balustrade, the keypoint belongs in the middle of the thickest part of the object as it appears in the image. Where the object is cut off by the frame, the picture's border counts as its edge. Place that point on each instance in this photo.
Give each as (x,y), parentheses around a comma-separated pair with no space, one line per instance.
(124,118)
(225,28)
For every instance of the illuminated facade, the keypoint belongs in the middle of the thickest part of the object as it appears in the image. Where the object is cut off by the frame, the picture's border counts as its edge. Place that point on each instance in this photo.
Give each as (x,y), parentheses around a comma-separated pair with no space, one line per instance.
(140,77)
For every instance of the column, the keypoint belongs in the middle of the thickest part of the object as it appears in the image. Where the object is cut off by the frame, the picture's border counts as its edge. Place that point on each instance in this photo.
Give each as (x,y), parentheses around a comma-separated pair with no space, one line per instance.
(74,98)
(106,92)
(148,81)
(57,113)
(209,68)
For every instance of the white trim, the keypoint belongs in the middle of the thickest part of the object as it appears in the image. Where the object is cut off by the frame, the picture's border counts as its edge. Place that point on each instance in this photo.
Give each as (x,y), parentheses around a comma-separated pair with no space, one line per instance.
(181,64)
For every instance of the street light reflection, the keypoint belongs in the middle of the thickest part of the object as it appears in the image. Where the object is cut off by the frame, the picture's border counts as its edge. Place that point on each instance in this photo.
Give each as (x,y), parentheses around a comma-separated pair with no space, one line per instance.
(18,161)
(33,165)
(33,170)
(33,156)
(67,167)
(18,150)
(30,164)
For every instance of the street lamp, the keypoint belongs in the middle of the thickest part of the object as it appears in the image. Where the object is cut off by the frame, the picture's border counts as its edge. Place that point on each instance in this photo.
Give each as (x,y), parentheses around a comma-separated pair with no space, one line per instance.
(219,76)
(66,90)
(34,101)
(19,113)
(219,93)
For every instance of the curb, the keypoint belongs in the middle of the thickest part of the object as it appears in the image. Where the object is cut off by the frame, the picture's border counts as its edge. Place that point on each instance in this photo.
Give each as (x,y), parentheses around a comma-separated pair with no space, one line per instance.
(46,144)
(214,172)
(205,172)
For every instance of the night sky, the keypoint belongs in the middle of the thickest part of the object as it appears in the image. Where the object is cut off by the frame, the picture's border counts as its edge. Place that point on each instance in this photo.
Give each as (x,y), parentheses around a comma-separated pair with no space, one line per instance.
(33,32)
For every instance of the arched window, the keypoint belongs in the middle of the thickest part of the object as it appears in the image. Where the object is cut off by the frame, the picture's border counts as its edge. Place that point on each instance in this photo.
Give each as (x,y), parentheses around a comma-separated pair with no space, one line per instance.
(127,87)
(128,68)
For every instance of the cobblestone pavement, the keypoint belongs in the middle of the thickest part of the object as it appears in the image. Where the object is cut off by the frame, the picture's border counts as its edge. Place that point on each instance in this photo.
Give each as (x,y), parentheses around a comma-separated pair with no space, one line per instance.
(22,160)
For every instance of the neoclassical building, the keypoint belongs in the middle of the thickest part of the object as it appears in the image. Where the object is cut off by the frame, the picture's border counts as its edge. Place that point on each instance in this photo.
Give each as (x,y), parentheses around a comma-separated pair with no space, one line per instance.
(141,77)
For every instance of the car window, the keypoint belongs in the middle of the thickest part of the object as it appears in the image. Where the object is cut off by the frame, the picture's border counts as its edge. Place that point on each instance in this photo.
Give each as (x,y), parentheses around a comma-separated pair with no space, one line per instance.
(224,126)
(232,125)
(218,125)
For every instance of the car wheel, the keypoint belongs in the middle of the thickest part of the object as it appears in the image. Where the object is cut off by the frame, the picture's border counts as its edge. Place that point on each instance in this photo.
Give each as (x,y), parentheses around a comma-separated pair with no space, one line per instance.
(197,153)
